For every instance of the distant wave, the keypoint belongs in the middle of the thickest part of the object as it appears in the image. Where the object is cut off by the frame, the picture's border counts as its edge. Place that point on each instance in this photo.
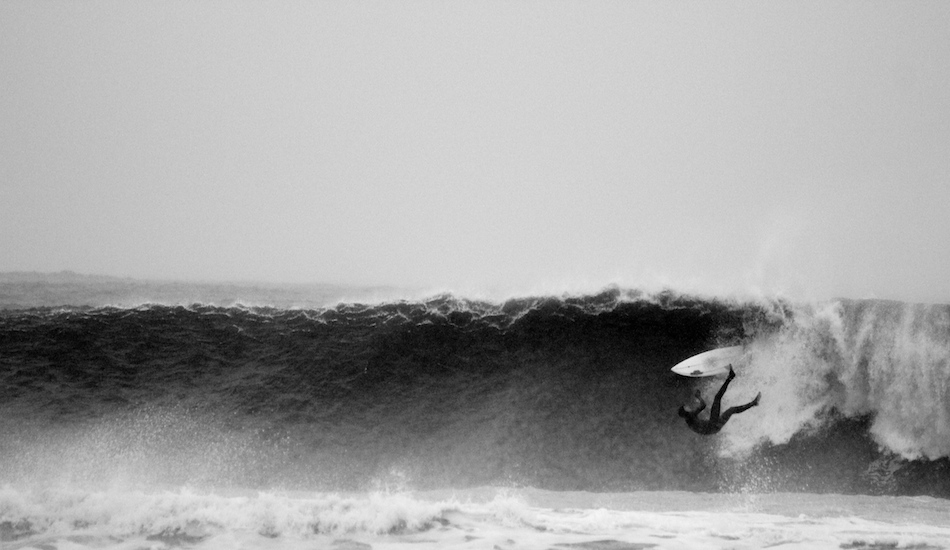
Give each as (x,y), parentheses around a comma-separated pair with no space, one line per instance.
(24,290)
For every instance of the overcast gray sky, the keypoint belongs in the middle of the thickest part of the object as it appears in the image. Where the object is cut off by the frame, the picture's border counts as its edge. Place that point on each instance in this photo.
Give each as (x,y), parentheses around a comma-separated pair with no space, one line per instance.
(800,148)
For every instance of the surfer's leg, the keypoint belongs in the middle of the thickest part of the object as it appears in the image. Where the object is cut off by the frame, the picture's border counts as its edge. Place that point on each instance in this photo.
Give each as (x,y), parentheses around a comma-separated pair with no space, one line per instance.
(714,412)
(739,409)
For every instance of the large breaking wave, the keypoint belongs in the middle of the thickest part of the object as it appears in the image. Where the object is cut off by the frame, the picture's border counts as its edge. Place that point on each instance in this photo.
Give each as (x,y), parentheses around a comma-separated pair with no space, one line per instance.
(563,393)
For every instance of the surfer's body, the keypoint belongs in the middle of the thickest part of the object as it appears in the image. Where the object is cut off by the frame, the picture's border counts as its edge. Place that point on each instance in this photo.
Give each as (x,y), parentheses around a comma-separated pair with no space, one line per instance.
(716,420)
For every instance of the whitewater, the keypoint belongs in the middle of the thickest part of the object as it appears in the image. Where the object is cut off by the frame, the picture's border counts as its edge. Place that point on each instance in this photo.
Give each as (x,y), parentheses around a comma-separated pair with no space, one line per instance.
(136,415)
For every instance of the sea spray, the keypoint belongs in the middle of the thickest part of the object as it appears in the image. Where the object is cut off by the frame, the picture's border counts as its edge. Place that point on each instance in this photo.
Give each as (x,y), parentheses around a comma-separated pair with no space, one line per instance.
(887,361)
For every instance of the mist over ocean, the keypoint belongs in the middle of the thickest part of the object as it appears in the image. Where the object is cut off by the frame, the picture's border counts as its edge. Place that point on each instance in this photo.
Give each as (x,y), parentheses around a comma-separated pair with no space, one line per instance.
(168,414)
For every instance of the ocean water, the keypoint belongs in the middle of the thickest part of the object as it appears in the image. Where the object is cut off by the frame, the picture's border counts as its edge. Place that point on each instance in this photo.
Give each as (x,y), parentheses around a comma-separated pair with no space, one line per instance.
(445,422)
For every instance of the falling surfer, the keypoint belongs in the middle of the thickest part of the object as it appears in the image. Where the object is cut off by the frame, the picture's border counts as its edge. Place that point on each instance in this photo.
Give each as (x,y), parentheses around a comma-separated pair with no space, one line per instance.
(716,420)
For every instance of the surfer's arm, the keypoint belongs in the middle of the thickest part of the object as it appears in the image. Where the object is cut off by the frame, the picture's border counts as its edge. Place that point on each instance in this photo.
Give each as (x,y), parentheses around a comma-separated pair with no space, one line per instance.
(702,404)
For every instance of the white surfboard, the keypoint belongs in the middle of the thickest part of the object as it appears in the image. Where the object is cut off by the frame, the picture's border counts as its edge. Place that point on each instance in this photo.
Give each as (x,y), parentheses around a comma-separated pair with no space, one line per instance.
(710,363)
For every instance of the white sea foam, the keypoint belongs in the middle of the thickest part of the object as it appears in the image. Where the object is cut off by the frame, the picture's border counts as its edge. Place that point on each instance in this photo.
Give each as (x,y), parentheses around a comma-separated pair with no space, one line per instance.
(888,360)
(479,518)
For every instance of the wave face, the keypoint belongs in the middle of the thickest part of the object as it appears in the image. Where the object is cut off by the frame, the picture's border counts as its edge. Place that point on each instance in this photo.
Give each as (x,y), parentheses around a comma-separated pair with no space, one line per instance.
(558,393)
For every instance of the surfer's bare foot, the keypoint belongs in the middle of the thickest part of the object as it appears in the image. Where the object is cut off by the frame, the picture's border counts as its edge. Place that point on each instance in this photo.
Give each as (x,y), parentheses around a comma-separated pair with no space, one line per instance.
(755,402)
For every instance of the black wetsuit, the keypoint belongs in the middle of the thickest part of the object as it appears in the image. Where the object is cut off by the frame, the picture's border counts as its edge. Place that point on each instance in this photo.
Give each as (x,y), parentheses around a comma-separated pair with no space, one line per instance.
(716,421)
